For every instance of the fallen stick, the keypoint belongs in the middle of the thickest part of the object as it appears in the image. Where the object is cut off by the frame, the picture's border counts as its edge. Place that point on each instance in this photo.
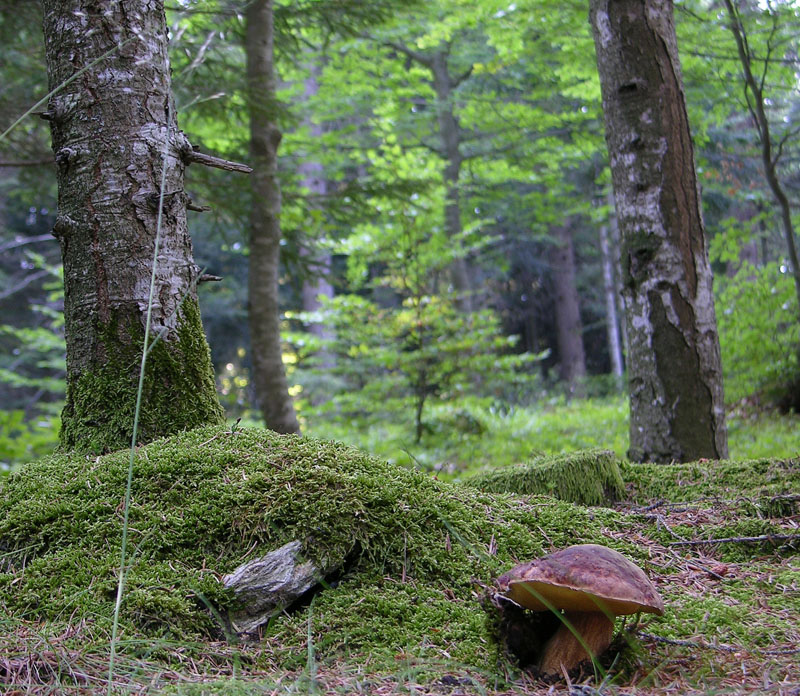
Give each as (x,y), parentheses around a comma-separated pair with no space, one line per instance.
(743,540)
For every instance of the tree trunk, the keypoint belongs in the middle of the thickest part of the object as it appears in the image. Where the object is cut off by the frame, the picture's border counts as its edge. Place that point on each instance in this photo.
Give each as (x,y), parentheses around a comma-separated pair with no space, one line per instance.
(449,133)
(616,243)
(312,179)
(610,293)
(769,156)
(269,377)
(111,128)
(569,330)
(676,400)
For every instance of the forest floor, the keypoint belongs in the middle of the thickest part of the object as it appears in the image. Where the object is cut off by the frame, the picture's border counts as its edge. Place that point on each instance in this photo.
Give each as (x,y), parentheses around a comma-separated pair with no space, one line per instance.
(721,543)
(709,657)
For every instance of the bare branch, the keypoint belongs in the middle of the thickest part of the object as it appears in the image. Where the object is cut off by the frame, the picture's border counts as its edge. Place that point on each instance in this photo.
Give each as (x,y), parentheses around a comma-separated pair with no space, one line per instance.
(773,538)
(28,240)
(770,46)
(463,76)
(191,205)
(217,162)
(28,163)
(731,57)
(414,55)
(788,135)
(31,278)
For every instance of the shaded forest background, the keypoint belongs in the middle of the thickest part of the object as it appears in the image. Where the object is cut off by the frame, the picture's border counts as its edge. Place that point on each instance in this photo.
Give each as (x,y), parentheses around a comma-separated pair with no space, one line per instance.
(449,252)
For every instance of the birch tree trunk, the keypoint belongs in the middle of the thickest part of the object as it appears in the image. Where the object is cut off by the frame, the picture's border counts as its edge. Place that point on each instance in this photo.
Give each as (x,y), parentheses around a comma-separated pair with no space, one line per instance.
(269,376)
(112,128)
(615,242)
(676,400)
(610,294)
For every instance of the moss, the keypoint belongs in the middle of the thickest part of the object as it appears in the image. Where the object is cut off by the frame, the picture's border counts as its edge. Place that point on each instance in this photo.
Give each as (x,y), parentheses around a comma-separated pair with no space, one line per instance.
(590,478)
(204,500)
(179,391)
(416,552)
(724,479)
(734,611)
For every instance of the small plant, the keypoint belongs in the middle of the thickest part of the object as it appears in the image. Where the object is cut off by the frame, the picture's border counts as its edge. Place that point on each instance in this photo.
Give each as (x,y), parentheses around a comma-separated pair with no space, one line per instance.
(757,317)
(400,359)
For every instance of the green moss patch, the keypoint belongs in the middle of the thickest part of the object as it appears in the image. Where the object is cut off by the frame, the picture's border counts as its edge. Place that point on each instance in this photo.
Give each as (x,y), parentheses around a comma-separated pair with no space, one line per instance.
(408,605)
(589,478)
(707,478)
(204,501)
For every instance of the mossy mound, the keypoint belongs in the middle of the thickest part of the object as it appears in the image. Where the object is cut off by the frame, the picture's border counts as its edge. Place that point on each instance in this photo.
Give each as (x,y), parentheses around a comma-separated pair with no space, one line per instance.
(412,548)
(724,479)
(588,478)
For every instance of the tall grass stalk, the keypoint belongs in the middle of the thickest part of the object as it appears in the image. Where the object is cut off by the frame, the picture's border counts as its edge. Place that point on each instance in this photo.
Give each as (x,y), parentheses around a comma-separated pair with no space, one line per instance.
(137,410)
(311,660)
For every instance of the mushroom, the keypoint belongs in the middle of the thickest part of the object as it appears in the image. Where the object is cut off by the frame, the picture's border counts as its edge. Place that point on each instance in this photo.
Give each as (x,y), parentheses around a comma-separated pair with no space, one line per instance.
(592,585)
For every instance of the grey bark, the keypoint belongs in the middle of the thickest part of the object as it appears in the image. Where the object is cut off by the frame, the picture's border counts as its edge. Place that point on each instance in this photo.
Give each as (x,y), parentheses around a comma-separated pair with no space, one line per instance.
(616,244)
(675,377)
(269,376)
(569,329)
(112,127)
(610,294)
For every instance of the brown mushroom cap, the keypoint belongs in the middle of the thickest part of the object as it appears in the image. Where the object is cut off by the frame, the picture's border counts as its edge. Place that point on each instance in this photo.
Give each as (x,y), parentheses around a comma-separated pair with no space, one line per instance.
(587,577)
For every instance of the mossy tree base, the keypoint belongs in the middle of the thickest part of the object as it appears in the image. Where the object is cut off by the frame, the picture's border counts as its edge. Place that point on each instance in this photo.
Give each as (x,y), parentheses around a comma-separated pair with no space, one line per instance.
(179,391)
(589,478)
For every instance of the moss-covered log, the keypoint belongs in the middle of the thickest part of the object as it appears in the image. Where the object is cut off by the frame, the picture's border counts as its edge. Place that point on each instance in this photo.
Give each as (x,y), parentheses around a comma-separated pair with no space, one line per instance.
(589,478)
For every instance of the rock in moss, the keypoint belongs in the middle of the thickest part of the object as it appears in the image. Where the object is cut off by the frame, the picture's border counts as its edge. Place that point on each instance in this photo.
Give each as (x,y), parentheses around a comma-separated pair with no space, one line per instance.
(267,585)
(589,478)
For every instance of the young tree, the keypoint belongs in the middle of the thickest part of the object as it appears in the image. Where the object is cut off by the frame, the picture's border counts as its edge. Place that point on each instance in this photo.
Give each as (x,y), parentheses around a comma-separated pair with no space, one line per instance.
(114,132)
(676,400)
(773,137)
(269,376)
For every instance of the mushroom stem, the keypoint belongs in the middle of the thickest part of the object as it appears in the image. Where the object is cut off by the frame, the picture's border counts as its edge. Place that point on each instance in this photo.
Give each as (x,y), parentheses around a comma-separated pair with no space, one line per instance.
(565,649)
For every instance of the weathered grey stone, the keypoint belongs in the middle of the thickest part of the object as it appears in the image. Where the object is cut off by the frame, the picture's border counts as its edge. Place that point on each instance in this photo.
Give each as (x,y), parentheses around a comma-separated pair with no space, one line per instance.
(267,585)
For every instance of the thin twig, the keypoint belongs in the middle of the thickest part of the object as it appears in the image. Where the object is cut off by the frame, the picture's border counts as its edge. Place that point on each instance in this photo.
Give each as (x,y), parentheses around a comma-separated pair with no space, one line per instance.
(27,163)
(686,643)
(27,240)
(743,540)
